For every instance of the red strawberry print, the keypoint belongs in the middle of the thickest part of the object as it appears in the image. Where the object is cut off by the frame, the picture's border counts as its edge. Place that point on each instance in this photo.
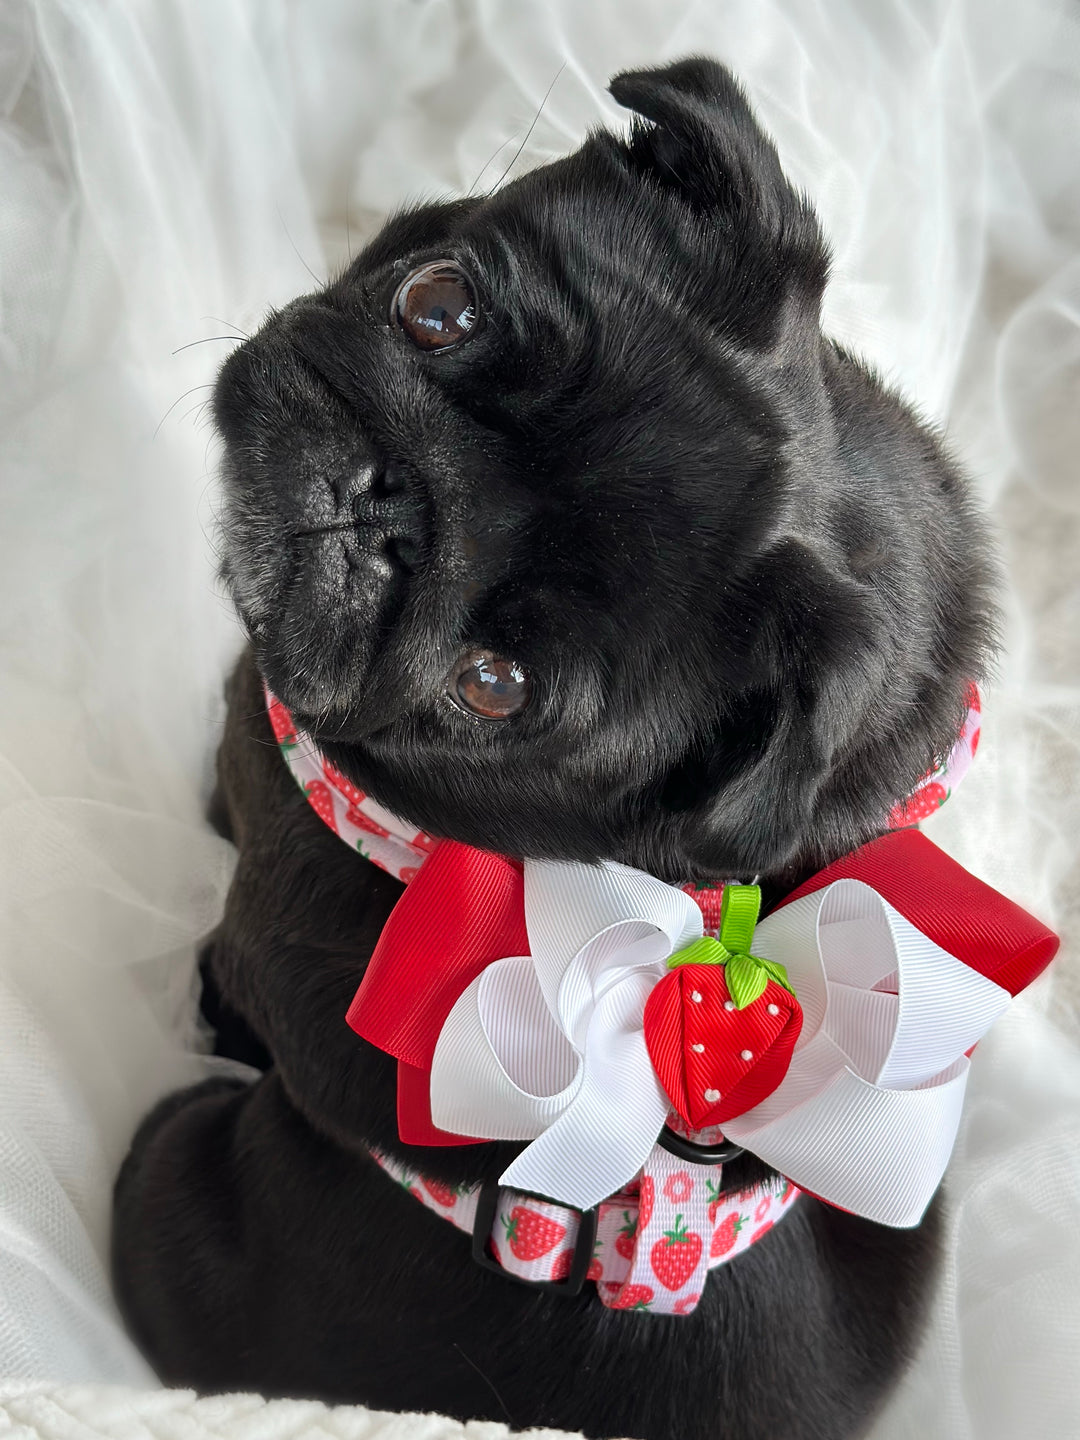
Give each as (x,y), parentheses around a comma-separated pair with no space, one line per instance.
(674,1258)
(726,1234)
(407,873)
(342,783)
(764,1206)
(646,1200)
(627,1237)
(975,742)
(973,698)
(761,1231)
(281,722)
(716,1199)
(423,841)
(365,822)
(686,1304)
(531,1234)
(926,801)
(634,1297)
(564,1263)
(444,1194)
(678,1187)
(318,792)
(788,1188)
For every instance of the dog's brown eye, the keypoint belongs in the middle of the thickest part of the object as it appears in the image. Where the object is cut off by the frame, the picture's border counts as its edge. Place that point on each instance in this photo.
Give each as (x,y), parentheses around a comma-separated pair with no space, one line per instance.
(436,306)
(488,685)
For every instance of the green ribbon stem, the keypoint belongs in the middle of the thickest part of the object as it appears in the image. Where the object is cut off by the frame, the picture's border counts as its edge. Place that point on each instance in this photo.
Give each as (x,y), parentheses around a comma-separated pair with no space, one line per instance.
(747,975)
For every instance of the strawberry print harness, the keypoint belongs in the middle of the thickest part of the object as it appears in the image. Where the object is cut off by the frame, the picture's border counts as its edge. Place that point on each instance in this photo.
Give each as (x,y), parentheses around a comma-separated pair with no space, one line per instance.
(649,1247)
(639,1034)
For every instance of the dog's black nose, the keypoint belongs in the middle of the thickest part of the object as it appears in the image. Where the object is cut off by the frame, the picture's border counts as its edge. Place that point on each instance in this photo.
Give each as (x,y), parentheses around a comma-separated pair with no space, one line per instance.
(391,508)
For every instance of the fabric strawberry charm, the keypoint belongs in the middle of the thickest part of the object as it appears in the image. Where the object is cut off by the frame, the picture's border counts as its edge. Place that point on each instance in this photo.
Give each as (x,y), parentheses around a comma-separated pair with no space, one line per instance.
(721,1027)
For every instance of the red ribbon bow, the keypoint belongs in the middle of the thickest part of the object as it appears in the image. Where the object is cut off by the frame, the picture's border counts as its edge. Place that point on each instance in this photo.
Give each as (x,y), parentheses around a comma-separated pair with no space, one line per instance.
(466,909)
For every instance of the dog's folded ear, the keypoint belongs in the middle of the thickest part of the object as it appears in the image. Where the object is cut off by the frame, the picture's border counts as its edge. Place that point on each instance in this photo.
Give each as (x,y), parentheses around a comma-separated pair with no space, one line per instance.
(705,142)
(773,781)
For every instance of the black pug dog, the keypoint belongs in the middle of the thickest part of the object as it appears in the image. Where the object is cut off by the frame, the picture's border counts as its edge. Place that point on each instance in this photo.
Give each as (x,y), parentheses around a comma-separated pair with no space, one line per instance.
(588,424)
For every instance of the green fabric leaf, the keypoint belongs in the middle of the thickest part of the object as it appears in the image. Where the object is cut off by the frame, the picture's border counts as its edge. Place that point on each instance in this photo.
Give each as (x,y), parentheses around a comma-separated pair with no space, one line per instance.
(705,951)
(776,972)
(746,980)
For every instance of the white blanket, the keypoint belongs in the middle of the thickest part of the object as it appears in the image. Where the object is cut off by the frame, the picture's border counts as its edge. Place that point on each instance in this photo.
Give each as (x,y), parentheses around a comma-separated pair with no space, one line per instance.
(168,170)
(77,1412)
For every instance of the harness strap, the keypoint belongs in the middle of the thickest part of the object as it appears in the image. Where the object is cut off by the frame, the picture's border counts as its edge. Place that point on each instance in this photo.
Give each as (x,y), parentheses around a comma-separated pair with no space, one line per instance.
(654,1244)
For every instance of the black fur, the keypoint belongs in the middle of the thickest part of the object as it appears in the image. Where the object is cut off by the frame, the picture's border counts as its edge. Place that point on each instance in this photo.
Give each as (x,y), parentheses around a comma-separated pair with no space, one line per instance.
(750,591)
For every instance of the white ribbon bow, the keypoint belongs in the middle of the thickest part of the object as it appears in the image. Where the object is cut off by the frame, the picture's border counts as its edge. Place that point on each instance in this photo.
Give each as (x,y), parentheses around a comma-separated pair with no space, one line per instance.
(550,1048)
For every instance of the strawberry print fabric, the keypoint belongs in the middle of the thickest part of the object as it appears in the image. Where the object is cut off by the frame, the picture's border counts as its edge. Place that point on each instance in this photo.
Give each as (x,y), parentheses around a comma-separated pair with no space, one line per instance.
(365,825)
(658,1248)
(936,787)
(655,1242)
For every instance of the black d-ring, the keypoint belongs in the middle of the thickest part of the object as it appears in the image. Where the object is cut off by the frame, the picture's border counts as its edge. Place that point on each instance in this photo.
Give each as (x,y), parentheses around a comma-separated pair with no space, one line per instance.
(697,1154)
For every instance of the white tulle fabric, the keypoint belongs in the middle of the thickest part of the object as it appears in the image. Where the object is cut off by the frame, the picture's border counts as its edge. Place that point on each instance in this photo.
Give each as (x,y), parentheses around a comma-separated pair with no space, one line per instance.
(167,172)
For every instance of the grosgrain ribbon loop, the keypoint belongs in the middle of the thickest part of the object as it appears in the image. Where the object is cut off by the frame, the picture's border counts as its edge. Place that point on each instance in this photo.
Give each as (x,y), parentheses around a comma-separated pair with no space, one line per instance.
(550,1047)
(463,910)
(867,1114)
(739,910)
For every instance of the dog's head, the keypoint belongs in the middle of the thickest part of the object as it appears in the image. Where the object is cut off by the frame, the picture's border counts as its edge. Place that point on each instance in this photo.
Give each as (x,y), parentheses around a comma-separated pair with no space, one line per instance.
(544,518)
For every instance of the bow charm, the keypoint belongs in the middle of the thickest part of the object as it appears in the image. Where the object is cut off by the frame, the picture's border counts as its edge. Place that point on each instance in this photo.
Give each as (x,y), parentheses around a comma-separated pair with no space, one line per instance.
(900,961)
(553,1047)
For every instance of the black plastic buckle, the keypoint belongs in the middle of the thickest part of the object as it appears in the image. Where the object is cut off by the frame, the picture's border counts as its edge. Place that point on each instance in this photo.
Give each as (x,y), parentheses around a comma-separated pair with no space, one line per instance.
(487,1204)
(698,1154)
